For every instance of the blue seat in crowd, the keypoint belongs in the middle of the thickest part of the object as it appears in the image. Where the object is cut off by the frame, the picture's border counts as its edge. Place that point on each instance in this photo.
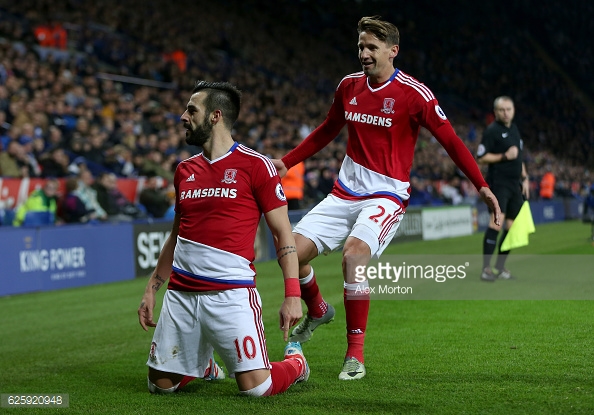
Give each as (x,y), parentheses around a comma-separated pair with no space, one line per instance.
(38,219)
(6,217)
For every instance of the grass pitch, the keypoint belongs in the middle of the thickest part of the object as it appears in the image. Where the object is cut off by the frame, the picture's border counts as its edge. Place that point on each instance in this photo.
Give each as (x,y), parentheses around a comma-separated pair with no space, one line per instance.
(422,357)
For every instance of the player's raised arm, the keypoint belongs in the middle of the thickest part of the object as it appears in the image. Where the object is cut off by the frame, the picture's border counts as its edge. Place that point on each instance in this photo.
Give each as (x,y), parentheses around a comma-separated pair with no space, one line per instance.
(286,253)
(158,278)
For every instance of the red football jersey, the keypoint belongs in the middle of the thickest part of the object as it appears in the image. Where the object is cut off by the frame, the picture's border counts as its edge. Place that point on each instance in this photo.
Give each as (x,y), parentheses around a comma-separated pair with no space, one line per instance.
(383,123)
(220,203)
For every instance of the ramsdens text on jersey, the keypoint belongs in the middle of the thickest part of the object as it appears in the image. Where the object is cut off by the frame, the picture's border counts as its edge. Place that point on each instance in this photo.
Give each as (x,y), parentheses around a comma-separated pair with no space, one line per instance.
(209,192)
(367,119)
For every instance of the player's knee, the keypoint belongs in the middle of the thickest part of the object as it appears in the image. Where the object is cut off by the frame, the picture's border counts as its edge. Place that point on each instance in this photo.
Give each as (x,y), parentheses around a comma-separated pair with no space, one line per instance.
(263,389)
(155,389)
(361,243)
(163,382)
(306,249)
(355,255)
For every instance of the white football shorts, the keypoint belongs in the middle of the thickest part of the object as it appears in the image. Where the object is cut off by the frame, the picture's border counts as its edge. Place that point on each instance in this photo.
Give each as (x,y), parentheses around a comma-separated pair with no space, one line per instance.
(192,324)
(374,221)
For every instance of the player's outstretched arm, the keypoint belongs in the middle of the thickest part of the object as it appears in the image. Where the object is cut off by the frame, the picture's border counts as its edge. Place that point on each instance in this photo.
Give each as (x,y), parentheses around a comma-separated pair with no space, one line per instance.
(491,201)
(286,252)
(158,278)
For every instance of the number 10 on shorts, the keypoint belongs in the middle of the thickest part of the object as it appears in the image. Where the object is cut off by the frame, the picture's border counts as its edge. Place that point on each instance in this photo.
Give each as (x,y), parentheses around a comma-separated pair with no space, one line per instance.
(245,348)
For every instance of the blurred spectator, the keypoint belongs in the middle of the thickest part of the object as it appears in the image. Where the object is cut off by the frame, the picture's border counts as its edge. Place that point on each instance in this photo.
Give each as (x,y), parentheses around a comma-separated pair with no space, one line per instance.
(179,57)
(547,185)
(450,191)
(293,185)
(59,35)
(420,192)
(326,180)
(119,160)
(55,163)
(312,193)
(51,35)
(113,202)
(40,207)
(153,164)
(4,126)
(154,198)
(10,166)
(43,34)
(55,138)
(28,158)
(170,192)
(588,208)
(87,194)
(72,209)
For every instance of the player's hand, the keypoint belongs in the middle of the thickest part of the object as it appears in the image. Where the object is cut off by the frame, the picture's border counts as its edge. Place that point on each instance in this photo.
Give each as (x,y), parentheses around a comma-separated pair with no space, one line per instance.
(491,201)
(512,153)
(145,311)
(290,313)
(526,189)
(280,167)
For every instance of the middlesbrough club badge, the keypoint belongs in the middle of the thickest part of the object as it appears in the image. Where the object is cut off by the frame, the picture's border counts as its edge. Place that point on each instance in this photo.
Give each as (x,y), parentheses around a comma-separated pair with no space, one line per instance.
(229,176)
(388,106)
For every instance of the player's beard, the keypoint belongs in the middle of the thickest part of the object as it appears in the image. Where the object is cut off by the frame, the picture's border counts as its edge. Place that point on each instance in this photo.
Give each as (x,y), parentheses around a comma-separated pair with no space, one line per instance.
(200,135)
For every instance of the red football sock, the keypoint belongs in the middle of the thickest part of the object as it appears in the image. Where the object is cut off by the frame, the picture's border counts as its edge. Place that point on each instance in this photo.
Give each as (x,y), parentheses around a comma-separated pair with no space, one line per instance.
(283,375)
(185,380)
(316,306)
(356,305)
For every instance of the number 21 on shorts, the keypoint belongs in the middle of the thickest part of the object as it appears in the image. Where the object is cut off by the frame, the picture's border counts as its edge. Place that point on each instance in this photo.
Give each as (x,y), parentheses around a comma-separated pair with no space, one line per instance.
(388,219)
(385,221)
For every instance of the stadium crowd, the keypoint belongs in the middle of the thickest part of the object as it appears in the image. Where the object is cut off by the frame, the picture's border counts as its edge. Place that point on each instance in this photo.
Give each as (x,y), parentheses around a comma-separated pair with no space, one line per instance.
(107,95)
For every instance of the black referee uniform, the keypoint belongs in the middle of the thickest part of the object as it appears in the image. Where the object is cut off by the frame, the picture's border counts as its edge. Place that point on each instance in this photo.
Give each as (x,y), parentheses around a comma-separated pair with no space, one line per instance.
(505,180)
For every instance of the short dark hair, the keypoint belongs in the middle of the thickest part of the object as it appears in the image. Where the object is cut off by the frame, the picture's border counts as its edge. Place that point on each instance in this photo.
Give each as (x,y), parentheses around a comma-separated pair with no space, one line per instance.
(384,31)
(222,96)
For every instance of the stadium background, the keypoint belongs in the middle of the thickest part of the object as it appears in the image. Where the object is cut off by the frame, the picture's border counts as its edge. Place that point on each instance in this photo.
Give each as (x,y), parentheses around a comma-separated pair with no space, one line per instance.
(288,59)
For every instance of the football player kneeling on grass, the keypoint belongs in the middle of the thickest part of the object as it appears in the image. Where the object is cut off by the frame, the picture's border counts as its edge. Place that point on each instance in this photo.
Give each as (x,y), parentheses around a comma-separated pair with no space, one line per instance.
(212,303)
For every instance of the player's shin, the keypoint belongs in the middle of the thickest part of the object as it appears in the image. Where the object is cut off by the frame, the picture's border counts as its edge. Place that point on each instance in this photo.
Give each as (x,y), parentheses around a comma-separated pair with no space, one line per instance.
(310,293)
(356,304)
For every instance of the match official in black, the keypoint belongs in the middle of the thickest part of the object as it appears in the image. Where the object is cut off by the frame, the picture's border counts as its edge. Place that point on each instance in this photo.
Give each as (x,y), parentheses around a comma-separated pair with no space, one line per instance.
(501,148)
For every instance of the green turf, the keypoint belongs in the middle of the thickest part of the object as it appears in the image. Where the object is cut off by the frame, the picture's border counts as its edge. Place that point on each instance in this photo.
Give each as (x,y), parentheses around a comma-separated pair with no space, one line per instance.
(422,357)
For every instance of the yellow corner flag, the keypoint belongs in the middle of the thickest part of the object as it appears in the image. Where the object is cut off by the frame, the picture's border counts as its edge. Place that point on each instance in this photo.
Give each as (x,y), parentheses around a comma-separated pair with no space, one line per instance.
(522,227)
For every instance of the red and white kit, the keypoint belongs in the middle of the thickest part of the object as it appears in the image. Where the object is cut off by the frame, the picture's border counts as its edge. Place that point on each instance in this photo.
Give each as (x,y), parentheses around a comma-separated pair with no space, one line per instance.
(383,123)
(220,203)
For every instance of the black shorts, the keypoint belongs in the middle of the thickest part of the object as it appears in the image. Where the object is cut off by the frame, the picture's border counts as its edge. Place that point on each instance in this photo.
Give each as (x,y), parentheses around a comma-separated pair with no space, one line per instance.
(510,199)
